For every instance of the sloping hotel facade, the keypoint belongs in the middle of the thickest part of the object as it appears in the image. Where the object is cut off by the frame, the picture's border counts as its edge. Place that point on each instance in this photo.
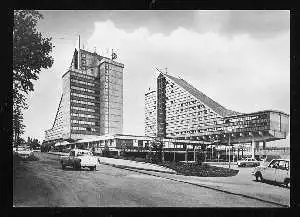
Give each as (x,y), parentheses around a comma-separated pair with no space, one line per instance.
(184,112)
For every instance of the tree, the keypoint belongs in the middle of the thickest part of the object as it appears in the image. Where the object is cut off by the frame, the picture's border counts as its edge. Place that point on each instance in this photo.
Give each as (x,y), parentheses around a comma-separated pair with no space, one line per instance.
(31,53)
(18,126)
(157,146)
(33,143)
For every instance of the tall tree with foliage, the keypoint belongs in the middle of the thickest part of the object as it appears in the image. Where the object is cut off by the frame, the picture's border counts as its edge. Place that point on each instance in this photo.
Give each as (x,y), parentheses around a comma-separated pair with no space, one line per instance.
(31,53)
(33,143)
(18,126)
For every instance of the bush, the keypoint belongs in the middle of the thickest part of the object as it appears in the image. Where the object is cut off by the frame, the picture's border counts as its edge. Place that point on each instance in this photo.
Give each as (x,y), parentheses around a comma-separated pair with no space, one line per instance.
(139,159)
(130,158)
(203,170)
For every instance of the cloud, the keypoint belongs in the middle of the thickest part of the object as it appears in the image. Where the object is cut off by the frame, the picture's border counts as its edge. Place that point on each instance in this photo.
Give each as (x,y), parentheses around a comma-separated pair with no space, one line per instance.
(261,24)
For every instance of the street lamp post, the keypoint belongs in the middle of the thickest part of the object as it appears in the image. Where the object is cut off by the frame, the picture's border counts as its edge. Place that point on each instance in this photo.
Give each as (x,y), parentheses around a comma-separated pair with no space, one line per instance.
(229,145)
(174,147)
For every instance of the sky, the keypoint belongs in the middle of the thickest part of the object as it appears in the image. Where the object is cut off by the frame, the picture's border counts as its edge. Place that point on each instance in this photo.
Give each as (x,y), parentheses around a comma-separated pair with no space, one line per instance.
(240,59)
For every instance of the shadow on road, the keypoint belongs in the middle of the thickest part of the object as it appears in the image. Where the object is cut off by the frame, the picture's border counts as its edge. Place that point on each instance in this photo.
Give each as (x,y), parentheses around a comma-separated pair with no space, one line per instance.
(271,183)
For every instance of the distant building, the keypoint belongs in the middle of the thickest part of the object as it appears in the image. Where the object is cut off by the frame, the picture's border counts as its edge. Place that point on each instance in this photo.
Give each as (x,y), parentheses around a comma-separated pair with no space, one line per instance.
(92,99)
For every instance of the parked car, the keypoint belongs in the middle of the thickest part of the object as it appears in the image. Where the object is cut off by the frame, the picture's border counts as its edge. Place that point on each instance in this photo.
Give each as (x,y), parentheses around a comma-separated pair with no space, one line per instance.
(24,152)
(277,171)
(79,158)
(250,162)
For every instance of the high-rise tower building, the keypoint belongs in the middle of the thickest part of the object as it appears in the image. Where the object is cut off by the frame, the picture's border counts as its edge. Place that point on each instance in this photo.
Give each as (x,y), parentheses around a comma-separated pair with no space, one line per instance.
(92,99)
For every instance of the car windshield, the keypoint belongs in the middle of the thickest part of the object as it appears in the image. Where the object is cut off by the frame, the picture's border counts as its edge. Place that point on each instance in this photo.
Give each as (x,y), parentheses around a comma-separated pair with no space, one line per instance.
(83,153)
(273,164)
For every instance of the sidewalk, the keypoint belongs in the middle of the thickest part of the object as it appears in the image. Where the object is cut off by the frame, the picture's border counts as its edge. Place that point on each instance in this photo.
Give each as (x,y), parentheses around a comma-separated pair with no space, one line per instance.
(121,163)
(134,165)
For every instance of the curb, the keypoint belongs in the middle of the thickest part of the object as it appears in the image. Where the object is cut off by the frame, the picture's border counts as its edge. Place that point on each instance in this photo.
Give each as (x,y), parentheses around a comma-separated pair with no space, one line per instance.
(146,163)
(130,167)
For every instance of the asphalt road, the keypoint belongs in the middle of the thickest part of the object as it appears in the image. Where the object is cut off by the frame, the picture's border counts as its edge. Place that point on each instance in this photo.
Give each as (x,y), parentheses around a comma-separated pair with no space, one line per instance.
(44,183)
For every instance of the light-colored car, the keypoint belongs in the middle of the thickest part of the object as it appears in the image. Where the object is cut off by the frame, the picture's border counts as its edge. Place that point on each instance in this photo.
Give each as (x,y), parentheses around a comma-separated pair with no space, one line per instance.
(24,152)
(248,162)
(278,170)
(79,158)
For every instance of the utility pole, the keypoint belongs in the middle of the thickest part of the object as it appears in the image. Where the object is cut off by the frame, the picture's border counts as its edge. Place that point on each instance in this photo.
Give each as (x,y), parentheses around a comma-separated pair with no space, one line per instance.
(108,117)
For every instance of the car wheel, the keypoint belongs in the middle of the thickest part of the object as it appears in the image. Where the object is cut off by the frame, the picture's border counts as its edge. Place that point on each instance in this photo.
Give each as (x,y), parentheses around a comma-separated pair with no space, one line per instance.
(63,166)
(258,177)
(91,168)
(287,183)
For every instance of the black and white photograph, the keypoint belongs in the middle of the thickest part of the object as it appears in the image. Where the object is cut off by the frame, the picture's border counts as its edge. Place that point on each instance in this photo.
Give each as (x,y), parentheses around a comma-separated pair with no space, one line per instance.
(151,108)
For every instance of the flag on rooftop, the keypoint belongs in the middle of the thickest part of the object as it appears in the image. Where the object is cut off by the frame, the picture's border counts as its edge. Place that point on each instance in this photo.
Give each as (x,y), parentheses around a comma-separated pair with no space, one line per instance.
(113,55)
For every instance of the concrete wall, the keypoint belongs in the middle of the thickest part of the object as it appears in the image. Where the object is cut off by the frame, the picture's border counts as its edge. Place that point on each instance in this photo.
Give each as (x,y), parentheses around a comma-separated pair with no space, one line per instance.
(111,97)
(185,114)
(150,113)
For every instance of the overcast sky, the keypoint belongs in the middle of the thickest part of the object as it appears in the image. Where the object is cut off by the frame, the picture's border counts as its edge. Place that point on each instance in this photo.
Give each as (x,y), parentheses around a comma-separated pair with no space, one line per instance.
(240,59)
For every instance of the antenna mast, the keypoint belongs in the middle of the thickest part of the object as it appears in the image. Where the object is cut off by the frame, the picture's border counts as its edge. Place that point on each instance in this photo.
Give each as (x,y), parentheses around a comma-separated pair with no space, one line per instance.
(79,53)
(158,69)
